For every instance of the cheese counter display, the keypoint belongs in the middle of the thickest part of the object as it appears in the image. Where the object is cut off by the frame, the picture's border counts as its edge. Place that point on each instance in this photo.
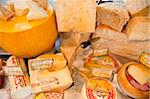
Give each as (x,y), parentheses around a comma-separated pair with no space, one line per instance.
(74,49)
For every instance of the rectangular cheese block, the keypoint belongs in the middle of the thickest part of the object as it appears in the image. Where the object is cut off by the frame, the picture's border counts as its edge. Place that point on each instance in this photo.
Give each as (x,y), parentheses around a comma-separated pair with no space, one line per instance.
(75,15)
(138,28)
(113,15)
(42,81)
(70,53)
(135,6)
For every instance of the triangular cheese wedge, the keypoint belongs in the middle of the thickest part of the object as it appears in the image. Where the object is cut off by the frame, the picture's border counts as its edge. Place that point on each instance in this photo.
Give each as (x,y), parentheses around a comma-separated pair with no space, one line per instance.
(5,14)
(139,73)
(35,12)
(42,3)
(69,52)
(21,7)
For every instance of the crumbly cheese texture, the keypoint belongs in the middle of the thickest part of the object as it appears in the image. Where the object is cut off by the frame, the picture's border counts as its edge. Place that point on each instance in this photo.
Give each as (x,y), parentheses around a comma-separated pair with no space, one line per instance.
(135,6)
(113,15)
(75,15)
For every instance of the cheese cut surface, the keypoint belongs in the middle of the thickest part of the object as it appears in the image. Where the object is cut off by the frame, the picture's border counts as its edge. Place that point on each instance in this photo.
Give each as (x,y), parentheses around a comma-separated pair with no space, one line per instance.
(138,28)
(69,52)
(113,15)
(139,73)
(135,6)
(75,15)
(21,7)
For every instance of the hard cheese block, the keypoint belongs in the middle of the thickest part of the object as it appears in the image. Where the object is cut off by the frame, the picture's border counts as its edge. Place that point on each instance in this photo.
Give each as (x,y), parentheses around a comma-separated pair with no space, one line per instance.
(135,6)
(119,44)
(113,15)
(50,81)
(138,28)
(75,15)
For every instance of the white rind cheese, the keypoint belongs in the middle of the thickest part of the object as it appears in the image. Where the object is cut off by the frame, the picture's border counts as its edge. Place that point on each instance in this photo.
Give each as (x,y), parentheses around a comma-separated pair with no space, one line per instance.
(75,15)
(113,15)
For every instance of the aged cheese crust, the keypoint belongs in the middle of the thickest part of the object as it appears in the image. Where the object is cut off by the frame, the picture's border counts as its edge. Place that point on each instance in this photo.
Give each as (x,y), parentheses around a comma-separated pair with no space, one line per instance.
(76,15)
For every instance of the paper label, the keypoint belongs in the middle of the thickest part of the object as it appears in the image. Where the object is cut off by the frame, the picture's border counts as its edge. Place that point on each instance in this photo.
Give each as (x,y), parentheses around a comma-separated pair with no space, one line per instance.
(12,70)
(38,64)
(100,52)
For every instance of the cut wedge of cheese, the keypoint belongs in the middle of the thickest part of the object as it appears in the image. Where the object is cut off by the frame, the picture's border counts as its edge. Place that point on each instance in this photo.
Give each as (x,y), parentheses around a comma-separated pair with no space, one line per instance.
(112,14)
(135,6)
(50,81)
(21,7)
(139,73)
(69,52)
(138,28)
(42,3)
(35,12)
(5,14)
(75,15)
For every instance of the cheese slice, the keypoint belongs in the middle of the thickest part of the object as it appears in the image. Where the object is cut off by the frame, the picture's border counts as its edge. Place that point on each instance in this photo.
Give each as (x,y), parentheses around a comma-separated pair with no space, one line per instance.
(113,15)
(5,14)
(138,28)
(50,81)
(135,6)
(35,12)
(69,52)
(42,3)
(139,73)
(21,7)
(75,15)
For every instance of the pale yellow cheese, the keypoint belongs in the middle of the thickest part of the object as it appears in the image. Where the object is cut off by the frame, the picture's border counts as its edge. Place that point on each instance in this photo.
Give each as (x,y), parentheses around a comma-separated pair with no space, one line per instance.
(50,81)
(138,28)
(21,7)
(113,15)
(139,73)
(35,12)
(135,6)
(75,15)
(69,52)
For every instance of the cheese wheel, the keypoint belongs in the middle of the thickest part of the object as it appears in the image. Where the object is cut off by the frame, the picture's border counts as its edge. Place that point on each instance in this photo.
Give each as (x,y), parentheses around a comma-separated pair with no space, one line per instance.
(28,39)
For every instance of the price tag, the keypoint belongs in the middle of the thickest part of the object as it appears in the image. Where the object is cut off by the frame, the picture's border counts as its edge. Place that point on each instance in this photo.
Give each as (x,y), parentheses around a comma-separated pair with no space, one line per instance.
(12,70)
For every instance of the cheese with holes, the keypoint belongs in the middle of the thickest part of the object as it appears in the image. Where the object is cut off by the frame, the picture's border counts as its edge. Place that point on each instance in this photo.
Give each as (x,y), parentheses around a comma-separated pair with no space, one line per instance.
(113,15)
(135,6)
(69,52)
(138,28)
(45,80)
(139,73)
(75,15)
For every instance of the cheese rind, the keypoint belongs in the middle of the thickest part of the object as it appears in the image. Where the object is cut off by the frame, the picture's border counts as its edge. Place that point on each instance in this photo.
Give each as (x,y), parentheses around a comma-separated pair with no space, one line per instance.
(135,6)
(138,28)
(113,15)
(75,15)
